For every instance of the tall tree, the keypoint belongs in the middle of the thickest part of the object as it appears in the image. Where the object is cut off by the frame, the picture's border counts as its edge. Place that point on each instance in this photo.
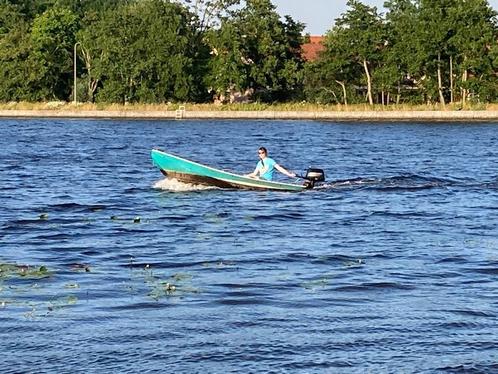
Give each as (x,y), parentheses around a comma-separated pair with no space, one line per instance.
(435,28)
(141,52)
(264,52)
(363,27)
(207,14)
(15,46)
(333,75)
(474,34)
(29,8)
(400,69)
(228,67)
(53,36)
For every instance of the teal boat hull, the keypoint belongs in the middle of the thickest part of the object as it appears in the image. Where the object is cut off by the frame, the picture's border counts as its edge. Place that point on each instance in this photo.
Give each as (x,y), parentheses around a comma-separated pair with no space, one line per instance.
(187,171)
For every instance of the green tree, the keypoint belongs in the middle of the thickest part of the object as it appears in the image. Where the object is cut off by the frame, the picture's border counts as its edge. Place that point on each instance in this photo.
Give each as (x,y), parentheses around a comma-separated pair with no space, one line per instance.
(15,47)
(264,53)
(332,78)
(474,33)
(435,28)
(140,53)
(52,39)
(29,9)
(228,67)
(400,71)
(363,28)
(208,14)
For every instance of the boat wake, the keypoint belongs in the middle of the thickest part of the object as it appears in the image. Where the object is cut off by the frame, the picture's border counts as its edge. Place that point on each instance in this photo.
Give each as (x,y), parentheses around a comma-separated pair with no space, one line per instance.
(404,182)
(174,185)
(409,182)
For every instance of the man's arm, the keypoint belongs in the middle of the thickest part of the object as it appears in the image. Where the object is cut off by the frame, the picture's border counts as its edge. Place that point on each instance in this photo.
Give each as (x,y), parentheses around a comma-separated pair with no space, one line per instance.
(284,171)
(254,174)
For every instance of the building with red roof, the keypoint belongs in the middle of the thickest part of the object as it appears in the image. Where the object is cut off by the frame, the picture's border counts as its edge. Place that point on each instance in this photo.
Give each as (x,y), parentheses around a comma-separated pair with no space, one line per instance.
(312,49)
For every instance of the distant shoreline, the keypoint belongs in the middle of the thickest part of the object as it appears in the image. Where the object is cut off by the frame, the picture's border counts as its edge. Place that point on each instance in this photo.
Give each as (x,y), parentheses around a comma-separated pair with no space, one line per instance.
(358,115)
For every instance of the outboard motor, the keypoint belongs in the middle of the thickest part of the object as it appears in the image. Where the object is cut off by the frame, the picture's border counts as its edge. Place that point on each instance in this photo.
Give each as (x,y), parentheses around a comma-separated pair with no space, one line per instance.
(312,176)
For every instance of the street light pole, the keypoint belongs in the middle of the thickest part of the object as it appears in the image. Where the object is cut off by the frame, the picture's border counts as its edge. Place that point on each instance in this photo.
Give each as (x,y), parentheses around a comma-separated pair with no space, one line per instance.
(75,94)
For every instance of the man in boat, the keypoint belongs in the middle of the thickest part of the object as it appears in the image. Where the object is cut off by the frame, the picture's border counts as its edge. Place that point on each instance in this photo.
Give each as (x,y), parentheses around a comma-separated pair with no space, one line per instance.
(266,166)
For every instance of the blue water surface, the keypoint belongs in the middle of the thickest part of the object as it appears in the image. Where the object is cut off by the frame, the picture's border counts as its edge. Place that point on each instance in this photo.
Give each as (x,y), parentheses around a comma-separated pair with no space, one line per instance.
(390,267)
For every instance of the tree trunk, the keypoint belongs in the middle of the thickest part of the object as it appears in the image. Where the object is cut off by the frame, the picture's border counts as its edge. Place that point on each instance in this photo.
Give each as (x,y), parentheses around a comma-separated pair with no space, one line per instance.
(92,83)
(369,82)
(440,81)
(465,76)
(451,80)
(343,85)
(92,86)
(398,96)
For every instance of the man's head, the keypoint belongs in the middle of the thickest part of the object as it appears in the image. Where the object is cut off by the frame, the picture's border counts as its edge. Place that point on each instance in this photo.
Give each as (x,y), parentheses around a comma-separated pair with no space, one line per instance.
(262,152)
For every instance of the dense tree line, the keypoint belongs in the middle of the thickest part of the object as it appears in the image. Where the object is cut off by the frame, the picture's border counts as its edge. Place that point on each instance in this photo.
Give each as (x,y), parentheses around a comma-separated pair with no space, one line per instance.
(148,51)
(421,51)
(155,51)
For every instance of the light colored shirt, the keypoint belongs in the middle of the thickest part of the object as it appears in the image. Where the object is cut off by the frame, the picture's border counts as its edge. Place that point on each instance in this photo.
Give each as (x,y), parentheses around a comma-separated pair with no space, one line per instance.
(266,168)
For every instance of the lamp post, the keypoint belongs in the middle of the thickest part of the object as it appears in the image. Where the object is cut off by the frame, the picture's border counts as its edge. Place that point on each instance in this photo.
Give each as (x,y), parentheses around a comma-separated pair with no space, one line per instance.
(75,92)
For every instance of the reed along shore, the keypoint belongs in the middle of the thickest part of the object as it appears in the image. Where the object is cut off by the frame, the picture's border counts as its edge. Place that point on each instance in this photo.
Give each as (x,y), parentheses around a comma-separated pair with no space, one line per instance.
(354,115)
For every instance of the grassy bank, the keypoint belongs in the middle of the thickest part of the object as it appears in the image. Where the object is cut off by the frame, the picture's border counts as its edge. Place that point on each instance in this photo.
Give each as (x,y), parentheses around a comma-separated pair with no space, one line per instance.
(283,107)
(256,111)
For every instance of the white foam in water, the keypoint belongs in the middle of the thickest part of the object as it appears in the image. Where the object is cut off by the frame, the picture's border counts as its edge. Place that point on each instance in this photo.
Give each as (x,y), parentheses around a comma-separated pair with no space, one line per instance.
(177,186)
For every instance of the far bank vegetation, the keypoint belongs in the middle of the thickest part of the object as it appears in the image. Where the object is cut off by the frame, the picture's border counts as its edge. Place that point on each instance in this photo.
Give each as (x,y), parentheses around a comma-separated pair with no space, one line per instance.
(149,53)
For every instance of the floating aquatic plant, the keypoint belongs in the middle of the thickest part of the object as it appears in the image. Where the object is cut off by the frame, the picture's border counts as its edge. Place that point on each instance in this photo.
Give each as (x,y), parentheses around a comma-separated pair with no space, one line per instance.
(23,280)
(62,303)
(355,263)
(24,271)
(136,219)
(6,269)
(161,290)
(176,285)
(314,284)
(72,285)
(38,310)
(215,218)
(80,267)
(180,277)
(221,264)
(203,236)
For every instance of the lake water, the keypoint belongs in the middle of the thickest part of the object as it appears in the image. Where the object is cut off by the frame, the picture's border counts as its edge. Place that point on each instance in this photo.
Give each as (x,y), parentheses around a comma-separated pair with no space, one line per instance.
(390,267)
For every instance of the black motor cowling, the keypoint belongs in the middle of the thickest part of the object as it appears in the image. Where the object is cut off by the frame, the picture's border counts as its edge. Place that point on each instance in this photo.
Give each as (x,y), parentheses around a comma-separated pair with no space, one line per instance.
(314,175)
(317,175)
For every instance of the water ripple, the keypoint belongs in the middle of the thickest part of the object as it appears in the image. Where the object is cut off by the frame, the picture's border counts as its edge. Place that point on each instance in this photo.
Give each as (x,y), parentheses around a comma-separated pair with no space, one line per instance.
(389,266)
